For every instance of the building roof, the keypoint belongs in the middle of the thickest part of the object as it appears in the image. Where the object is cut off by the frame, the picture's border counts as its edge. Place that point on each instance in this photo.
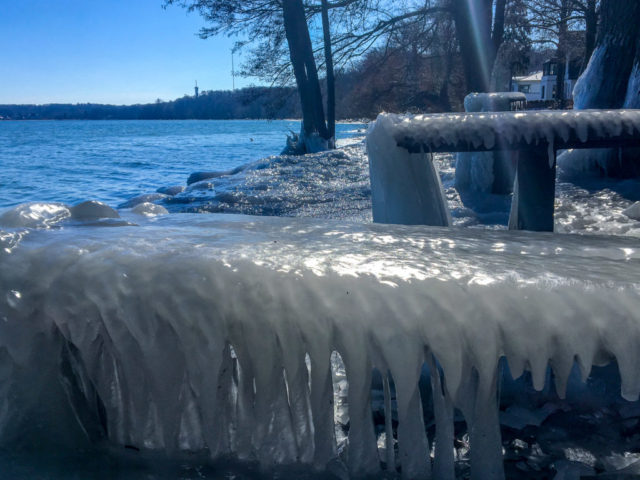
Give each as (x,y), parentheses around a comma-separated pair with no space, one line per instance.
(533,77)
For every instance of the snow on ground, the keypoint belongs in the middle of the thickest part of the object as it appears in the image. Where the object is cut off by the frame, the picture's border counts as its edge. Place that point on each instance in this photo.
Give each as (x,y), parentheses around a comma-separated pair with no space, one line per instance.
(584,204)
(327,185)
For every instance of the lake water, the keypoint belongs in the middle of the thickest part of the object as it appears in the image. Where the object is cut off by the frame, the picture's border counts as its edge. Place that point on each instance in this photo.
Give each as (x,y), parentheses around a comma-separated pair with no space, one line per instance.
(111,161)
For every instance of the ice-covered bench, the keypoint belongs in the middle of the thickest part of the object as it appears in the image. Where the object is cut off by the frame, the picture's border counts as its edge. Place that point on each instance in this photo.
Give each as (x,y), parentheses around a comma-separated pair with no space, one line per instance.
(214,334)
(403,177)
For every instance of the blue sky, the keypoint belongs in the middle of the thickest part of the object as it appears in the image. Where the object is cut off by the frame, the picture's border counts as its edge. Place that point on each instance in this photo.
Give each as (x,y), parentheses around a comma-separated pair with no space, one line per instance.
(106,51)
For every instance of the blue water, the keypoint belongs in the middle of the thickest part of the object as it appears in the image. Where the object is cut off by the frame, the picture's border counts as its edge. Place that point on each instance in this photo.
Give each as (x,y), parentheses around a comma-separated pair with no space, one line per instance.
(112,161)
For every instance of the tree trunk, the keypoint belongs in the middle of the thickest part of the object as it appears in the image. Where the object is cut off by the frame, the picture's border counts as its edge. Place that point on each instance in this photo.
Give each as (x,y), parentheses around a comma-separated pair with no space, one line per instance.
(478,46)
(331,81)
(414,76)
(562,54)
(612,79)
(591,27)
(605,82)
(629,159)
(304,68)
(445,102)
(497,36)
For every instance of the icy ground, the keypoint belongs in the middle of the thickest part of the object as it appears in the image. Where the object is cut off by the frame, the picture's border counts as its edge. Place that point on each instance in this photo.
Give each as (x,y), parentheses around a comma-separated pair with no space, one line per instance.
(336,185)
(584,204)
(325,185)
(142,316)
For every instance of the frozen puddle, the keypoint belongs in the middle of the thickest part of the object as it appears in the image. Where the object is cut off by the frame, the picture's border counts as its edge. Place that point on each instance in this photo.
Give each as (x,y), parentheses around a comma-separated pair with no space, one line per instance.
(281,344)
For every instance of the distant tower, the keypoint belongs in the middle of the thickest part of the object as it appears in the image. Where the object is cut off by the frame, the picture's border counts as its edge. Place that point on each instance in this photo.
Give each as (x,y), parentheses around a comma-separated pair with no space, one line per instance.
(196,88)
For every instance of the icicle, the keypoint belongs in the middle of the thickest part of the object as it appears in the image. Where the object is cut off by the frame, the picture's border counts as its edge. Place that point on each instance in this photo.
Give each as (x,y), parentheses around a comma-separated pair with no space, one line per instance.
(486,444)
(322,408)
(444,466)
(297,380)
(413,444)
(245,415)
(189,428)
(363,458)
(223,394)
(388,426)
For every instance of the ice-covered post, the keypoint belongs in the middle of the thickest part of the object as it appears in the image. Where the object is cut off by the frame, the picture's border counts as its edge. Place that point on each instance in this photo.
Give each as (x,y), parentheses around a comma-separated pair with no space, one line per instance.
(405,186)
(490,172)
(534,193)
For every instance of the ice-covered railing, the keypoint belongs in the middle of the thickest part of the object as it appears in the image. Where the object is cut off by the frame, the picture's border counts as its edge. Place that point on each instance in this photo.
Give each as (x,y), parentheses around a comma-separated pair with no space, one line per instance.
(559,130)
(400,149)
(214,334)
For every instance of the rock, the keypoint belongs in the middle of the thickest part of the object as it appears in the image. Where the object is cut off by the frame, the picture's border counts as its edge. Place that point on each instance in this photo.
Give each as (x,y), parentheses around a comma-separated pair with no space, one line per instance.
(171,191)
(203,185)
(338,468)
(521,444)
(463,212)
(144,198)
(569,470)
(92,210)
(628,462)
(149,209)
(633,211)
(199,176)
(34,215)
(519,417)
(630,410)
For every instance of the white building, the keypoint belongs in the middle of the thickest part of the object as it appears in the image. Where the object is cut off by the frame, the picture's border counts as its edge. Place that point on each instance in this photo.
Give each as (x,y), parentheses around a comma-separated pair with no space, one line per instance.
(542,85)
(529,85)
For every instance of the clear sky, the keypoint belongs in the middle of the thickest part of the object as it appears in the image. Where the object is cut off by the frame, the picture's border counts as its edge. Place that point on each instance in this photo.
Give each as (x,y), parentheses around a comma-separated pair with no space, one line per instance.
(106,51)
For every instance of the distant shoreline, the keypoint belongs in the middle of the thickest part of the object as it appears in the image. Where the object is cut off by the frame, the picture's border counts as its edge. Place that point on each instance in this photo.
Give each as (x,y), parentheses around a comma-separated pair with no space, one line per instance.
(255,103)
(361,121)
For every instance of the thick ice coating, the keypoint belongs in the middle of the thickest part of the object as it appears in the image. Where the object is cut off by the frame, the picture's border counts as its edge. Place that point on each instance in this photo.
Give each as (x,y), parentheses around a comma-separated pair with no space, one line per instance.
(482,129)
(494,102)
(192,332)
(405,187)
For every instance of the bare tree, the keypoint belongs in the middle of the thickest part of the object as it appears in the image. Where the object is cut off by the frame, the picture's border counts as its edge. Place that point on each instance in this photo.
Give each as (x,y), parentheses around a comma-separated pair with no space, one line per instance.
(556,23)
(331,80)
(282,50)
(514,54)
(480,26)
(591,14)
